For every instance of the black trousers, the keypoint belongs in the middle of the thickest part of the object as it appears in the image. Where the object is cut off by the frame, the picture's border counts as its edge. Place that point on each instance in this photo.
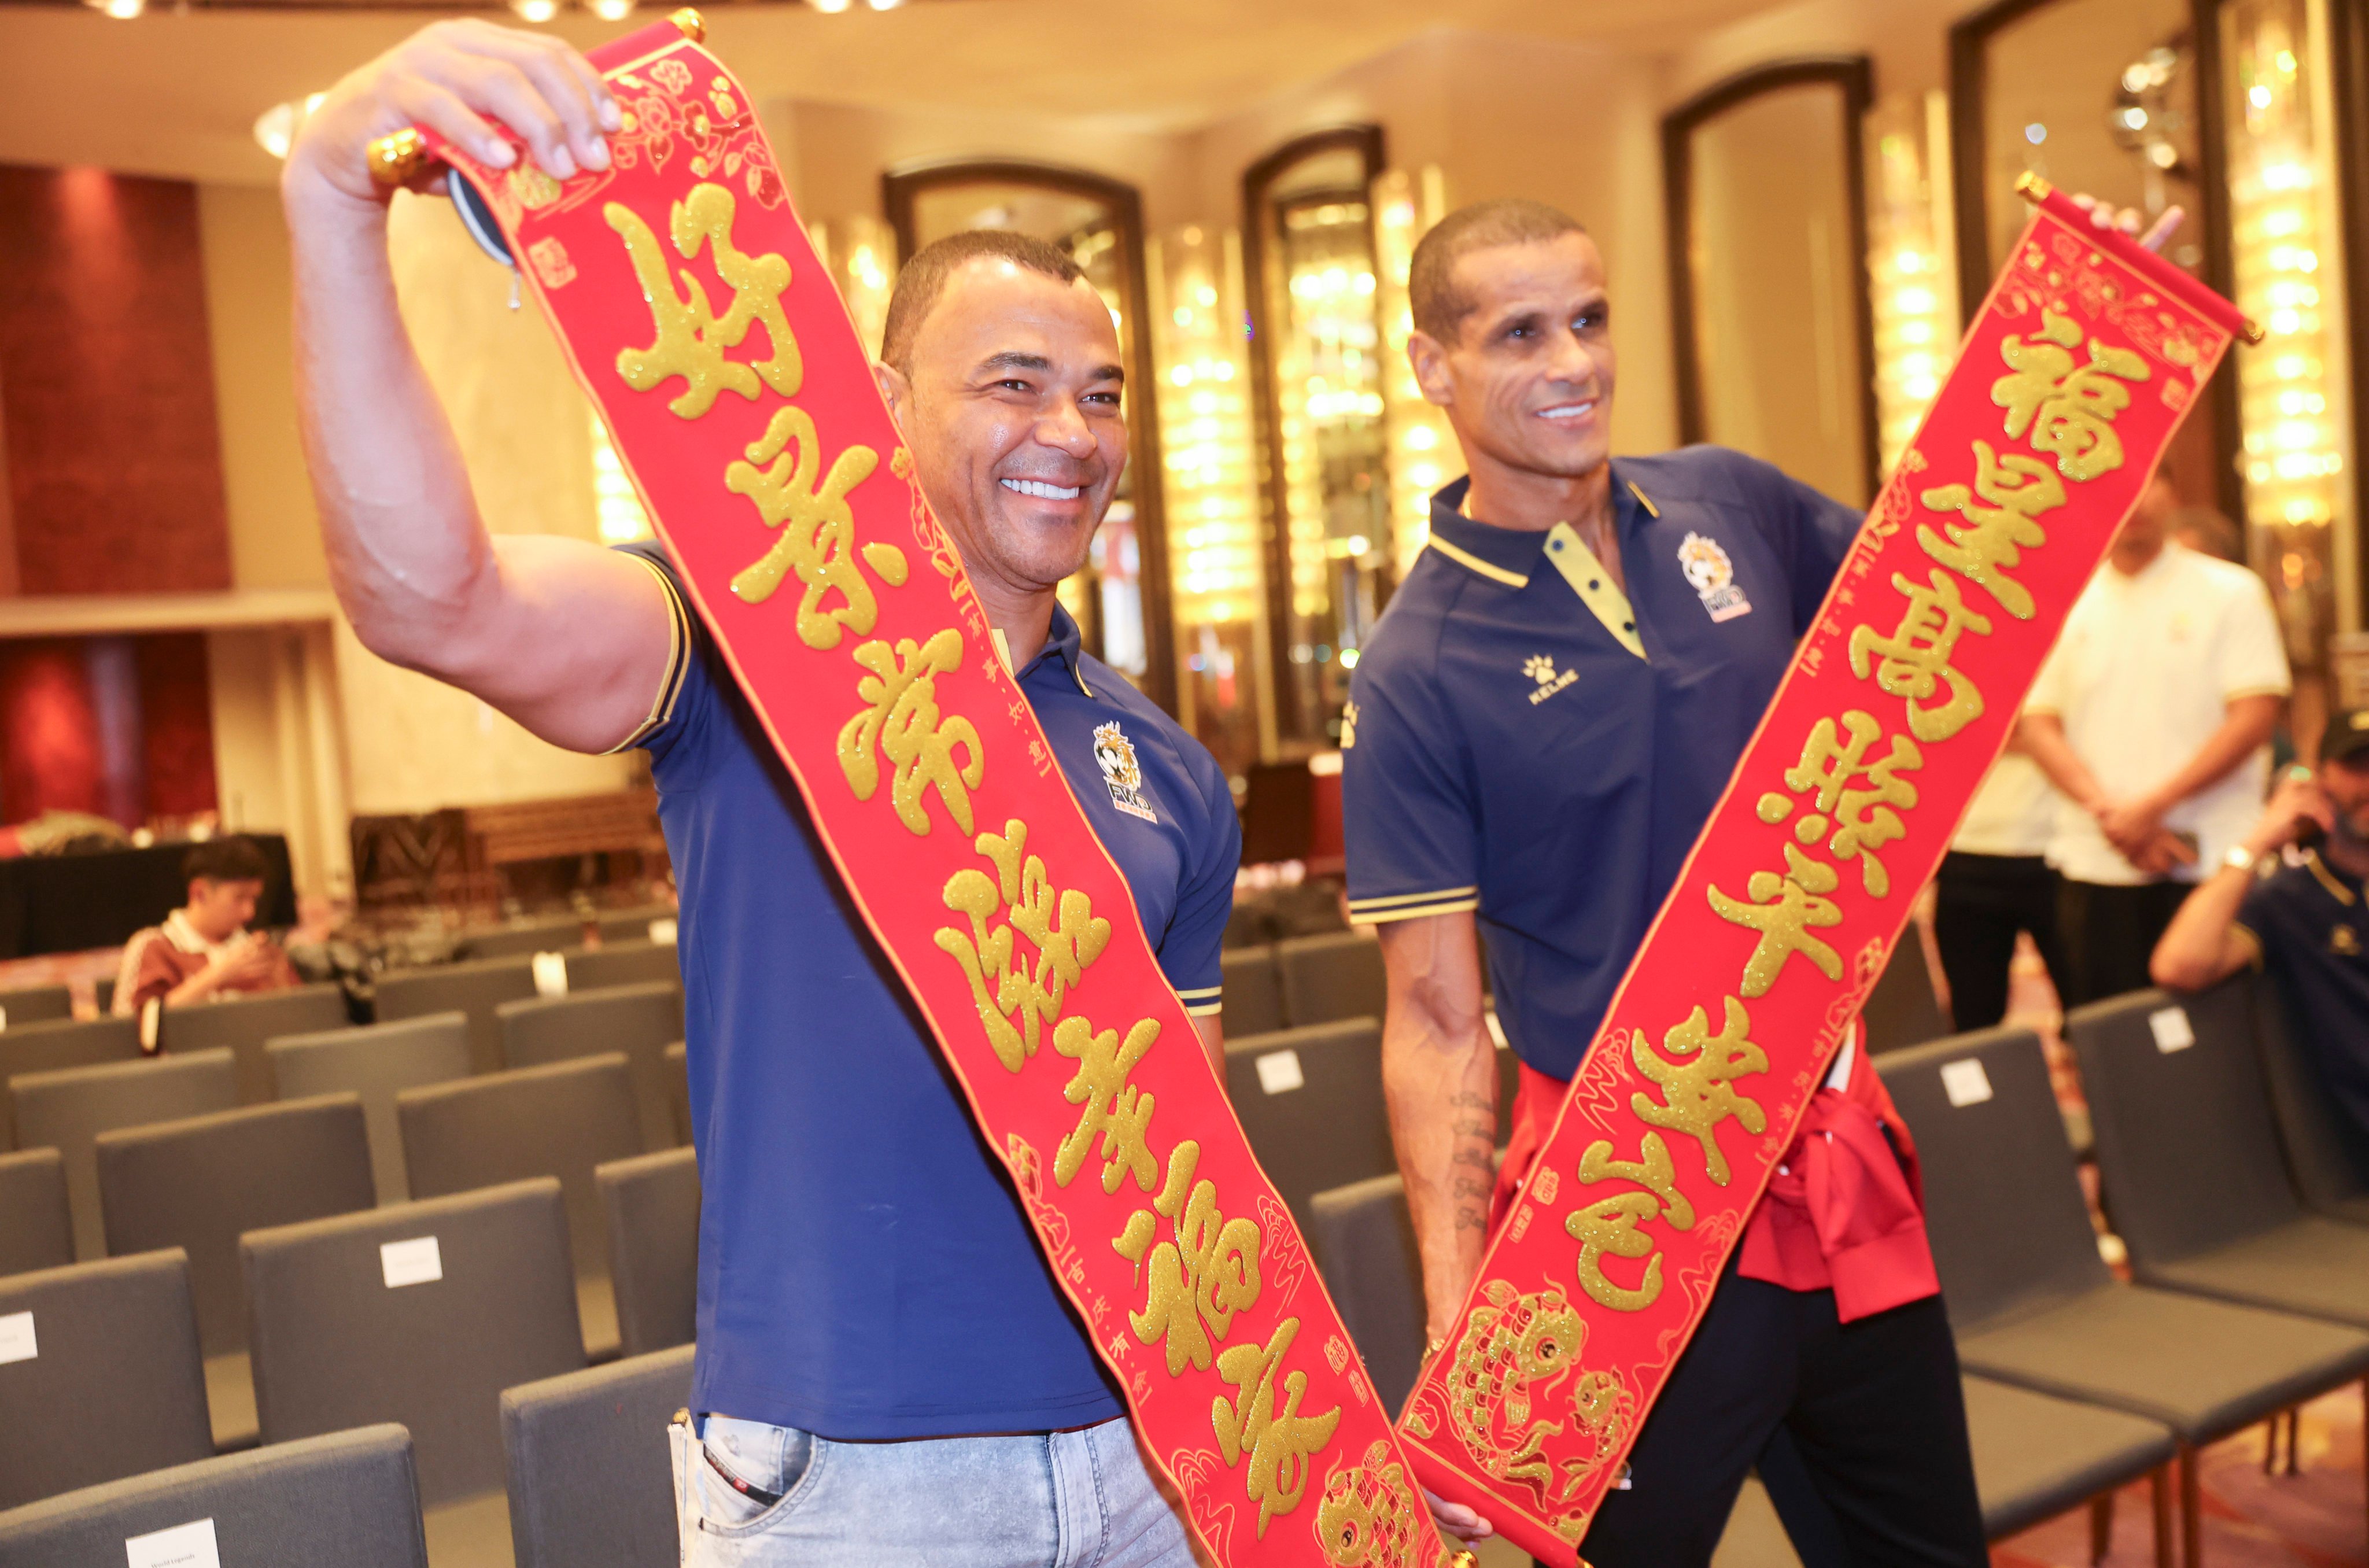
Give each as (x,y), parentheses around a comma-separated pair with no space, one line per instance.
(1868,1418)
(2111,932)
(1981,903)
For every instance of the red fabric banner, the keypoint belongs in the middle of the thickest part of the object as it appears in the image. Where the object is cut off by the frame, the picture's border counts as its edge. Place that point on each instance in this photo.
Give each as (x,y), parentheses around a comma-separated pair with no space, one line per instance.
(696,314)
(2083,361)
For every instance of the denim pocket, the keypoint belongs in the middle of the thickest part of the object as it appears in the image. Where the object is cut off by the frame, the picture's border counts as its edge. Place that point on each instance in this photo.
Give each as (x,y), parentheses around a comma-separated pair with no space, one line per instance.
(737,1458)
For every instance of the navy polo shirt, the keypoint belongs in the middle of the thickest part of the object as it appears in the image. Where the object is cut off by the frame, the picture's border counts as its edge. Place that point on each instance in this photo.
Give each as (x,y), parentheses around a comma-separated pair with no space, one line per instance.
(2311,932)
(865,1270)
(1526,741)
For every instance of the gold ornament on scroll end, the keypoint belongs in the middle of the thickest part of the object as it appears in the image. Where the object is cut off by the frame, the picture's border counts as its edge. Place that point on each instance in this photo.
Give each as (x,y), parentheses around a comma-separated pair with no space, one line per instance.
(693,24)
(2033,188)
(397,158)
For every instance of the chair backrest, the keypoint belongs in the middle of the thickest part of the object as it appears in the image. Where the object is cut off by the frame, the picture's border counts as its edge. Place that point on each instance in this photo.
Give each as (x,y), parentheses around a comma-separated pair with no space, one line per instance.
(553,934)
(68,1110)
(35,1004)
(199,1184)
(2328,1155)
(99,1375)
(347,1498)
(651,1202)
(35,1225)
(243,1022)
(1253,994)
(1328,979)
(1903,1010)
(557,1121)
(376,1061)
(639,1020)
(475,989)
(678,1065)
(2187,1156)
(421,1313)
(641,924)
(622,963)
(1311,1102)
(2003,1203)
(591,1481)
(48,1048)
(1366,1250)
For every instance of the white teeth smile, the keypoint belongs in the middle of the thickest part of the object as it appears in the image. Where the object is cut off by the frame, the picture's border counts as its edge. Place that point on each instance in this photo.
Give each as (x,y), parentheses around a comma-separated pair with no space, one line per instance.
(1567,411)
(1038,488)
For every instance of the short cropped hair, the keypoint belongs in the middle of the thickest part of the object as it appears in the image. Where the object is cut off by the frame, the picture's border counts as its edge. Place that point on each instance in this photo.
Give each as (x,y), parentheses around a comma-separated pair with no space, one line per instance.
(923,279)
(232,859)
(1439,306)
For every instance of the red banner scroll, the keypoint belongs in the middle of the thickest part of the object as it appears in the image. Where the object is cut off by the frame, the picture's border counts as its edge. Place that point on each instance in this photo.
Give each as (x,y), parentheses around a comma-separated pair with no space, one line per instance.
(2071,381)
(696,314)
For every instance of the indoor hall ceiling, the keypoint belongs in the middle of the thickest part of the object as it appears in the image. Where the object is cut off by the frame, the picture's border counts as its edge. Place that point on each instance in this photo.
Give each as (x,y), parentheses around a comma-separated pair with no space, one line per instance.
(178,95)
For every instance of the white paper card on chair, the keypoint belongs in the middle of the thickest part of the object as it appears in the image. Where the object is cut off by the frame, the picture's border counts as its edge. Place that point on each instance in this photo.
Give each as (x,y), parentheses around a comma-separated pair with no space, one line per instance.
(1965,1082)
(2171,1030)
(551,974)
(17,1338)
(1279,1073)
(662,932)
(183,1546)
(415,1262)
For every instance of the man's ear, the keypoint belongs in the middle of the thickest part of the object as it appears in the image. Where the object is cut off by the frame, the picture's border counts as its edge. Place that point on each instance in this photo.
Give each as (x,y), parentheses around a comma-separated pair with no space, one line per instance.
(895,391)
(1429,359)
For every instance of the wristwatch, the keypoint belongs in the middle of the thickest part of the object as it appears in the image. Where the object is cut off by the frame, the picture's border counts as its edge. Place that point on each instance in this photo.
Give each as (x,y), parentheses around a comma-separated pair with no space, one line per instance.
(2240,858)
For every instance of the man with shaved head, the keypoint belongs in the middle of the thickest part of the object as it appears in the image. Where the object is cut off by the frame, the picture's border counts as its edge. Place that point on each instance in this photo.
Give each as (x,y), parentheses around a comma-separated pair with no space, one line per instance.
(1537,731)
(886,1372)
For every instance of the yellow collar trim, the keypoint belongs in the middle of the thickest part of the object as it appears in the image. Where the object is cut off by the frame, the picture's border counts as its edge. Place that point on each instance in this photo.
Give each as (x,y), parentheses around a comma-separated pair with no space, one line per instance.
(1472,562)
(1651,509)
(1593,585)
(2337,890)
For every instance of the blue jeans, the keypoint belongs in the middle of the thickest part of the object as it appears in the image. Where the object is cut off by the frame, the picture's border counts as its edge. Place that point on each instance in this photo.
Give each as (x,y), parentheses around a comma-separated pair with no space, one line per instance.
(1080,1499)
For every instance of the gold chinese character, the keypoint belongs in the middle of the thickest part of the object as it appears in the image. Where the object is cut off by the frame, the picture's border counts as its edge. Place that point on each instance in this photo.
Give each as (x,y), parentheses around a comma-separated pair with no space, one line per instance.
(1067,932)
(1115,1110)
(1656,1173)
(2069,411)
(1863,820)
(902,719)
(691,338)
(1279,1443)
(1914,661)
(818,528)
(1993,538)
(1782,909)
(1609,1225)
(1201,1277)
(1699,1092)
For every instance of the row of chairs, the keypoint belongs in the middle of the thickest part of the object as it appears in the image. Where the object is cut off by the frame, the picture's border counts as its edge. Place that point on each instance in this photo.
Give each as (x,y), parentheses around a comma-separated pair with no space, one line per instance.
(1303,980)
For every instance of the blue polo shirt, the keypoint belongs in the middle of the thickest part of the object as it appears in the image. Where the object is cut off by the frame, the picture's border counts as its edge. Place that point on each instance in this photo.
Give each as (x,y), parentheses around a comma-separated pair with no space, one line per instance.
(1525,741)
(865,1270)
(2311,929)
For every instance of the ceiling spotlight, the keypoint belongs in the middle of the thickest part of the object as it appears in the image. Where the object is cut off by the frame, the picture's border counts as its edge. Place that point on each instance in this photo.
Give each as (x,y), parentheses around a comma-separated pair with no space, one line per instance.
(612,10)
(275,128)
(884,5)
(536,10)
(829,8)
(121,10)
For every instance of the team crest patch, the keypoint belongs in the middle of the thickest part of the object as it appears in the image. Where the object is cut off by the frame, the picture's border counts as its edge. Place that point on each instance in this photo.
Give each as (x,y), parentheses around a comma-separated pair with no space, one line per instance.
(1114,754)
(2344,940)
(1540,669)
(1712,576)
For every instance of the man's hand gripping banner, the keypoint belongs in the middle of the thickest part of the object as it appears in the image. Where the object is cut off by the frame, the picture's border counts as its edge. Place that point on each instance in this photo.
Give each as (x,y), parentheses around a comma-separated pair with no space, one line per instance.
(695,314)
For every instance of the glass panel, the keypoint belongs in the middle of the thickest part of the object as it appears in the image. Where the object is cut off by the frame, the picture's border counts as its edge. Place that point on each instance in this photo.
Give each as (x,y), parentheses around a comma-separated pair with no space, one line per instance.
(1777,341)
(1423,447)
(1914,295)
(2292,390)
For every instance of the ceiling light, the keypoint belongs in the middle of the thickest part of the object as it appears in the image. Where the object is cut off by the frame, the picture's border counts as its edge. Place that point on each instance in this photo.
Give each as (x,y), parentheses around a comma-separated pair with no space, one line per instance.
(121,10)
(884,5)
(612,10)
(275,128)
(829,8)
(536,10)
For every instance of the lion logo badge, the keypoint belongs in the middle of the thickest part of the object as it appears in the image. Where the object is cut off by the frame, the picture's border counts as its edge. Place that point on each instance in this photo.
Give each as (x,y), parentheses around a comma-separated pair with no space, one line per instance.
(1712,576)
(1114,754)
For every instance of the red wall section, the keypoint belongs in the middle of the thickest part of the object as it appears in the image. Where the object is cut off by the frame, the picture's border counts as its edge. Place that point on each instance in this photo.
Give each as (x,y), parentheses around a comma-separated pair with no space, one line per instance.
(119,727)
(50,758)
(176,725)
(114,458)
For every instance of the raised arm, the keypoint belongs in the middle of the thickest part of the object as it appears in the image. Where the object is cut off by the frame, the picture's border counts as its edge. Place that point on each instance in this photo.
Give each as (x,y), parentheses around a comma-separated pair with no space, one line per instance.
(570,639)
(2203,942)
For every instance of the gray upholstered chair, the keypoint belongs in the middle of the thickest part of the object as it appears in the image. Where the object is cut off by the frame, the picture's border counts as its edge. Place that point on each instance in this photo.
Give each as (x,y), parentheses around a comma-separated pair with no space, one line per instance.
(678,1066)
(68,1110)
(473,989)
(114,1385)
(1365,1247)
(555,934)
(420,1313)
(198,1185)
(242,1023)
(622,963)
(51,1048)
(346,1498)
(2033,1302)
(1254,993)
(2194,1181)
(635,924)
(36,1224)
(640,1019)
(35,1004)
(2037,1456)
(1311,1102)
(377,1062)
(1904,1009)
(1327,979)
(652,1206)
(559,1121)
(2328,1153)
(589,1465)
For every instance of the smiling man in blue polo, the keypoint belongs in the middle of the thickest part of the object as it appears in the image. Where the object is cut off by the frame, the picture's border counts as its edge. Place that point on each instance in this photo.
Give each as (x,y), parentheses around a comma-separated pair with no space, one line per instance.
(1540,727)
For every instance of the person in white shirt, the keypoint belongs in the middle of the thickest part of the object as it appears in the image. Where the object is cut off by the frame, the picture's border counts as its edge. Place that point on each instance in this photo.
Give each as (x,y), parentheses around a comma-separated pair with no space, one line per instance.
(2153,718)
(1996,884)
